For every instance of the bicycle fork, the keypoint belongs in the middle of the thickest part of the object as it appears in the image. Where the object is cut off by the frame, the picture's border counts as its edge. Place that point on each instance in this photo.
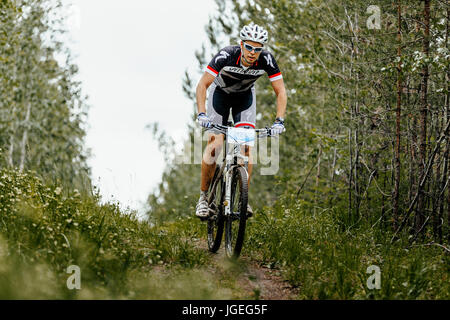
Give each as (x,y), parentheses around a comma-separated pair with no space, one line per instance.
(228,177)
(227,201)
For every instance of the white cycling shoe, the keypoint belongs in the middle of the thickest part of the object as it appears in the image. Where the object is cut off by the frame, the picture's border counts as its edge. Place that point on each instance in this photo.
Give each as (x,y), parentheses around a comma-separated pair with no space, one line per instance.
(202,209)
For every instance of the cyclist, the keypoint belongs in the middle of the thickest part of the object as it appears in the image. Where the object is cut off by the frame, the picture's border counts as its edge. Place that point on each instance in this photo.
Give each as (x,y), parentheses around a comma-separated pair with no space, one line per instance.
(230,77)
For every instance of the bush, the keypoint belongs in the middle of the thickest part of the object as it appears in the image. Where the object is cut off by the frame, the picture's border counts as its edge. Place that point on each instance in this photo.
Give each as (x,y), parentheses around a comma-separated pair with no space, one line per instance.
(314,254)
(46,229)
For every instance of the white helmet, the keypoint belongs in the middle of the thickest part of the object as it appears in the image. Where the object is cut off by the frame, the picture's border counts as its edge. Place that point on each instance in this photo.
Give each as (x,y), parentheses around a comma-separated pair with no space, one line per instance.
(255,33)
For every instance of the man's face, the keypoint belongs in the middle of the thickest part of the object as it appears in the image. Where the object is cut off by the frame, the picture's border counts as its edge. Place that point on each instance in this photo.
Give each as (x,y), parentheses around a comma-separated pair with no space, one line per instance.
(250,56)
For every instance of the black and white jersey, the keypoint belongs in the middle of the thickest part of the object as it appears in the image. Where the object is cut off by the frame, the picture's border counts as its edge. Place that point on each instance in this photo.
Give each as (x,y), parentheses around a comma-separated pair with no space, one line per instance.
(232,77)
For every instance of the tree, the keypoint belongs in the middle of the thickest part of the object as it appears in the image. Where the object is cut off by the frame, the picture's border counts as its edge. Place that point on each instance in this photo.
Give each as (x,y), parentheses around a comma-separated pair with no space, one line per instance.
(43,111)
(367,108)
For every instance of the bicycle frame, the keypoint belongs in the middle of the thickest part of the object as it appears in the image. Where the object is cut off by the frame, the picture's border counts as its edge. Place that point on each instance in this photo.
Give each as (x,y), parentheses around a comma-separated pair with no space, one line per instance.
(231,156)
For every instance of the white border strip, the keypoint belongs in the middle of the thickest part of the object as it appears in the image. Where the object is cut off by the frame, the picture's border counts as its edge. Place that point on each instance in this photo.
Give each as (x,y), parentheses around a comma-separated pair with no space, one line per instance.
(276,78)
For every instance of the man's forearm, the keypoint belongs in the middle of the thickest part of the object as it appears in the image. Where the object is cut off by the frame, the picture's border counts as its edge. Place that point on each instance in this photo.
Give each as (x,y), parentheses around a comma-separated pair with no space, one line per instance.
(281,104)
(201,98)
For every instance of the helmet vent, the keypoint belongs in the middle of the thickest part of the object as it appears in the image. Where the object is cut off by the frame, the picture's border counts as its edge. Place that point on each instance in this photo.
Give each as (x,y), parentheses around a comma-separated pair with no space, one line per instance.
(255,33)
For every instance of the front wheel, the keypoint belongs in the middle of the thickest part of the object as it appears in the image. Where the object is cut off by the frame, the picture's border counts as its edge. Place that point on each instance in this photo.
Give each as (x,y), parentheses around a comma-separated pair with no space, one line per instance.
(216,220)
(236,221)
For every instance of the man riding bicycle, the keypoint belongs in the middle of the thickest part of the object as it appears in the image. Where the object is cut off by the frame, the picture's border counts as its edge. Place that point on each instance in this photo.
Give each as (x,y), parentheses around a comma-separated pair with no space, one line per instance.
(230,77)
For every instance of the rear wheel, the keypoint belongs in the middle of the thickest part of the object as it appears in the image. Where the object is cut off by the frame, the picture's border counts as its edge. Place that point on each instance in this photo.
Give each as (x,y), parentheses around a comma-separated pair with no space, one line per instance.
(236,221)
(215,223)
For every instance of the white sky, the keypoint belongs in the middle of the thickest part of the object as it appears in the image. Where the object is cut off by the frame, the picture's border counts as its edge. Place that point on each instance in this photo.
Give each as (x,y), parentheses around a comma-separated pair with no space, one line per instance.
(132,56)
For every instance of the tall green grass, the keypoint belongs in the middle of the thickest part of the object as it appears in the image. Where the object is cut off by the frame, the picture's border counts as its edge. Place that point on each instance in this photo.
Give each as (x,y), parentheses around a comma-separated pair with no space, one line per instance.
(325,261)
(44,229)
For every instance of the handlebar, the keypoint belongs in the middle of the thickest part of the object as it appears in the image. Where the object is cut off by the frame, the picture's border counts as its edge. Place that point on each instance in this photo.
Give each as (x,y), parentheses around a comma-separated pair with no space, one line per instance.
(261,133)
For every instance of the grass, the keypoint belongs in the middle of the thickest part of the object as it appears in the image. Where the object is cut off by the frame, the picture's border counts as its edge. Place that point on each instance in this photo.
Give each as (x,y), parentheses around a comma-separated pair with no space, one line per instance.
(44,230)
(325,262)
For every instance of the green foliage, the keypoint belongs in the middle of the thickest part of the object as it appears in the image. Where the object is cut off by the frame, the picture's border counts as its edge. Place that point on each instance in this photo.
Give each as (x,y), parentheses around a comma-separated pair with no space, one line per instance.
(327,214)
(178,192)
(314,255)
(44,229)
(42,109)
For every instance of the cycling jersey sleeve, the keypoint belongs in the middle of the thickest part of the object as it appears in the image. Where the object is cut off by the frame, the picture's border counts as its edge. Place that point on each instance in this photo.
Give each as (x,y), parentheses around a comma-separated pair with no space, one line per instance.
(218,62)
(271,67)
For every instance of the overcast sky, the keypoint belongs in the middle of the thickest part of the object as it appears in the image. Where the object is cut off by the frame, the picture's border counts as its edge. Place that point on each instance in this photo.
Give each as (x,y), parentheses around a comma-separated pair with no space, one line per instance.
(132,57)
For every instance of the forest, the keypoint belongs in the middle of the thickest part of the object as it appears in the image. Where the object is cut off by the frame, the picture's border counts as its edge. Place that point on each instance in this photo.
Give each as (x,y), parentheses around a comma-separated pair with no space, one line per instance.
(363,176)
(367,129)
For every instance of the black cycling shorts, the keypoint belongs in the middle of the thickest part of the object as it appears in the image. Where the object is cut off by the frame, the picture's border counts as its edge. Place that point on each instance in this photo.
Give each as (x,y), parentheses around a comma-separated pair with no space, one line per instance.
(241,104)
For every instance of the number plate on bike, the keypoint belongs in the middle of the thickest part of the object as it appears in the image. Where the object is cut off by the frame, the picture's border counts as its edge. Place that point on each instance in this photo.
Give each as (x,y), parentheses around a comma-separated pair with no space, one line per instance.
(241,136)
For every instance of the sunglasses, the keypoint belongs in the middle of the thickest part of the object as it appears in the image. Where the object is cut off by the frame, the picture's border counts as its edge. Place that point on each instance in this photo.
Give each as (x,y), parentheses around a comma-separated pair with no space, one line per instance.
(251,48)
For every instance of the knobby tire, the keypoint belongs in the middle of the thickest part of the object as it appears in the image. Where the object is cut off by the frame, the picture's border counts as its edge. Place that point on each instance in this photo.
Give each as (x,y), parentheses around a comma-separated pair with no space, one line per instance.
(215,223)
(236,222)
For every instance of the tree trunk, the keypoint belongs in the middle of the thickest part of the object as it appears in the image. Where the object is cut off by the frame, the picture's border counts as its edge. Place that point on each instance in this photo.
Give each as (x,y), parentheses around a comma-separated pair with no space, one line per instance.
(350,209)
(318,167)
(383,209)
(318,174)
(437,185)
(442,190)
(11,150)
(23,148)
(420,213)
(447,152)
(11,141)
(354,168)
(395,197)
(333,167)
(412,143)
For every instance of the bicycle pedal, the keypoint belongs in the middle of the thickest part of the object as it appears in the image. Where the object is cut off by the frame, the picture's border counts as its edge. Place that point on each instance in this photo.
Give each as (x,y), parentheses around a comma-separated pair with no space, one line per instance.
(204,218)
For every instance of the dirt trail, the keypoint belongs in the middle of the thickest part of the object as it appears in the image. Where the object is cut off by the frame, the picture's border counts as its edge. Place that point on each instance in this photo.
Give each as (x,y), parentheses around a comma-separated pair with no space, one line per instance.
(254,281)
(267,282)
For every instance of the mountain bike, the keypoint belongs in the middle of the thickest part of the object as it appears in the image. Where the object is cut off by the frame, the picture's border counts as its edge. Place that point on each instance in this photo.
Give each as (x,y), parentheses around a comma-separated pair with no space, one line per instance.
(228,191)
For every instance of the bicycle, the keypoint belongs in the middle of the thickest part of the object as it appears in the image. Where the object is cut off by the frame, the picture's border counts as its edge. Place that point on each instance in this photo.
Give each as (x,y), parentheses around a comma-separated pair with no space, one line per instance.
(228,191)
